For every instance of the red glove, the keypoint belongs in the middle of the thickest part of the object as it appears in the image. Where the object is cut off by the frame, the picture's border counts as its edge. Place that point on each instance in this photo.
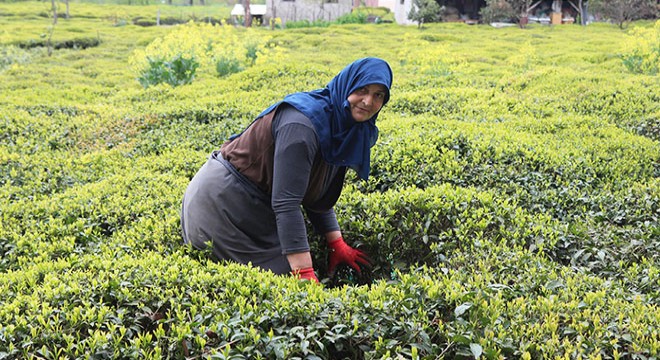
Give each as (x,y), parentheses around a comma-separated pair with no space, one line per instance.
(305,274)
(340,252)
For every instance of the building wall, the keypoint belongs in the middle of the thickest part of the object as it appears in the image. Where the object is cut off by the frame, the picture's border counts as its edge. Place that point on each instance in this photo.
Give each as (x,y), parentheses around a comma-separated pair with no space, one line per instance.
(311,10)
(387,3)
(401,10)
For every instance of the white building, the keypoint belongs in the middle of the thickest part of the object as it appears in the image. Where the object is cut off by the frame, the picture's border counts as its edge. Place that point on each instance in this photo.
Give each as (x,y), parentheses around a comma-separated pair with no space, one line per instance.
(310,10)
(257,13)
(390,4)
(401,10)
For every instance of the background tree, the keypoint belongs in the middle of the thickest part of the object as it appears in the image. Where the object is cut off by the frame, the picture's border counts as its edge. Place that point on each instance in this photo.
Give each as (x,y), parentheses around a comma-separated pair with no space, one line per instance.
(54,10)
(622,12)
(248,15)
(521,10)
(424,11)
(497,10)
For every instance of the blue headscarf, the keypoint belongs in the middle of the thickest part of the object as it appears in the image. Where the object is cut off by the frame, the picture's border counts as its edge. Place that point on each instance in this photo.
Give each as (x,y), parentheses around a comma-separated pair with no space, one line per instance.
(343,141)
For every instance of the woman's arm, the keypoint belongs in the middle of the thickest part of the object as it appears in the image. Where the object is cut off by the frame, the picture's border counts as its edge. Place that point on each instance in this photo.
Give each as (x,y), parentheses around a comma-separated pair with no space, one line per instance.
(303,260)
(299,261)
(332,236)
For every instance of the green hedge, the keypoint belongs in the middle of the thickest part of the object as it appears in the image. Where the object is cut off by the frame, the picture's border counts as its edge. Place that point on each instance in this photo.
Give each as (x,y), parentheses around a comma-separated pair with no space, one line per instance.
(176,306)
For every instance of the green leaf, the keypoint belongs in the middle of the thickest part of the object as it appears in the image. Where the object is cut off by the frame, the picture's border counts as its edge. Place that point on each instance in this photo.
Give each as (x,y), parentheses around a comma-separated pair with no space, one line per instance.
(461,309)
(477,350)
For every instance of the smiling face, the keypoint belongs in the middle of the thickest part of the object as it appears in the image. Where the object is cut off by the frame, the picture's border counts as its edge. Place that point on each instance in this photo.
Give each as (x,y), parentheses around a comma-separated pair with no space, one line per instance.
(367,101)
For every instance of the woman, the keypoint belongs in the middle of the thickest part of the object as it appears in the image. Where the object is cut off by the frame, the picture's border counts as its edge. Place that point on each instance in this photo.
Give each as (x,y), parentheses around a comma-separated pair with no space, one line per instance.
(246,199)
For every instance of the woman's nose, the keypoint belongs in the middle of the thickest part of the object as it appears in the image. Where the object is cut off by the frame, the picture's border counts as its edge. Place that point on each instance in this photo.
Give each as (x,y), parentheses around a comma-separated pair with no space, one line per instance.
(367,99)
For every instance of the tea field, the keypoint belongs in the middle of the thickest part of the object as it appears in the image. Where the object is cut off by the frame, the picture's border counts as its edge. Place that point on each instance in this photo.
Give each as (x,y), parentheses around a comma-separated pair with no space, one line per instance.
(512,211)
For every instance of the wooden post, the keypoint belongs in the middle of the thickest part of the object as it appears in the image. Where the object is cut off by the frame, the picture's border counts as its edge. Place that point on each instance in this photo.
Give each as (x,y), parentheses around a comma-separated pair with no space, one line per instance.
(556,15)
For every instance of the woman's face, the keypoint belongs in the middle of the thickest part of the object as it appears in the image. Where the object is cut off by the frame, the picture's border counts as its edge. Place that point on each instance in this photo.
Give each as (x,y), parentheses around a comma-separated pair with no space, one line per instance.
(367,101)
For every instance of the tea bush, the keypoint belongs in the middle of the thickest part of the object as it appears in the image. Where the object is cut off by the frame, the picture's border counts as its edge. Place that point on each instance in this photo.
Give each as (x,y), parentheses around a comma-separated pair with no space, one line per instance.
(512,210)
(75,43)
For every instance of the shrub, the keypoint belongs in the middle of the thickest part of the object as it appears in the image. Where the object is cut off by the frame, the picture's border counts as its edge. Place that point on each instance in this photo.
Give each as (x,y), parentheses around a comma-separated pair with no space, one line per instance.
(12,55)
(622,12)
(306,23)
(352,18)
(176,71)
(225,48)
(358,16)
(424,11)
(79,43)
(75,43)
(144,22)
(497,10)
(227,66)
(643,57)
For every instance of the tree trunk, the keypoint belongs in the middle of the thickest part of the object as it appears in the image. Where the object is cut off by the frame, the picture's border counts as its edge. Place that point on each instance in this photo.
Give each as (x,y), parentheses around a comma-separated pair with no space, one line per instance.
(67,8)
(49,43)
(248,17)
(274,16)
(54,11)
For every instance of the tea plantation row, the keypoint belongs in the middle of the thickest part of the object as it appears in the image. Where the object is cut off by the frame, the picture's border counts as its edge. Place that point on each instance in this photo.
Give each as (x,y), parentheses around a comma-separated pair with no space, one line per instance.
(512,210)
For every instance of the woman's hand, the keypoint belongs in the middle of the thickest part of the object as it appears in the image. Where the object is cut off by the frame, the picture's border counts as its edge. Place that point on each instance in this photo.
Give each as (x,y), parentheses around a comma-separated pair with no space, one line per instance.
(340,252)
(305,274)
(301,265)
